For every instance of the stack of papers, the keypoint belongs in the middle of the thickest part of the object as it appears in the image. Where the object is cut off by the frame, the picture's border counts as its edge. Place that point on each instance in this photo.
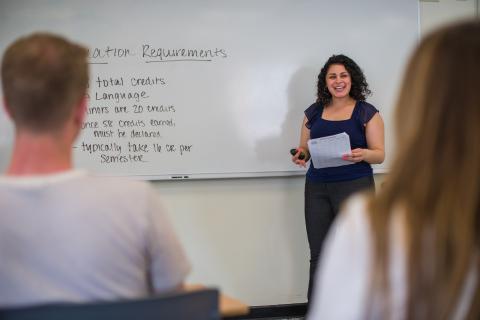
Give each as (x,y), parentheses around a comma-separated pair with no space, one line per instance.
(328,151)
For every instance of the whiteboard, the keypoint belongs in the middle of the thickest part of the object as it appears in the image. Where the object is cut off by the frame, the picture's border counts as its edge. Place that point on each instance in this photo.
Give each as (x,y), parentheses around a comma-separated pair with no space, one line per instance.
(215,88)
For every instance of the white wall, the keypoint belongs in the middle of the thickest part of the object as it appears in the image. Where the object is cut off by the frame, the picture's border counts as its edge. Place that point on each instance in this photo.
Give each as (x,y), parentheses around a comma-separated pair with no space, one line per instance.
(247,236)
(438,12)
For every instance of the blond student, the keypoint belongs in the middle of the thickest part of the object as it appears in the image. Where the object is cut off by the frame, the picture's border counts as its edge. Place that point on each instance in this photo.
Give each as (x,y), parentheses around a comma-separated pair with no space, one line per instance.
(66,235)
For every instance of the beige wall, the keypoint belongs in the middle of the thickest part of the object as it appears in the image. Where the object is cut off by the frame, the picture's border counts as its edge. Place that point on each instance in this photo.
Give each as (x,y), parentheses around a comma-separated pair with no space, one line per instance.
(436,13)
(246,236)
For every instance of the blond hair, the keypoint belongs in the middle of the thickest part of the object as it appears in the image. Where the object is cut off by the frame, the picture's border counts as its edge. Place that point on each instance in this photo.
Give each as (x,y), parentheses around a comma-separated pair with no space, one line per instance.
(43,76)
(435,178)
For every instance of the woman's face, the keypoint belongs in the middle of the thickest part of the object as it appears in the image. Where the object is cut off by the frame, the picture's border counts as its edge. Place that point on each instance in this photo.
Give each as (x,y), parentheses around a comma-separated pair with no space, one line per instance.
(338,81)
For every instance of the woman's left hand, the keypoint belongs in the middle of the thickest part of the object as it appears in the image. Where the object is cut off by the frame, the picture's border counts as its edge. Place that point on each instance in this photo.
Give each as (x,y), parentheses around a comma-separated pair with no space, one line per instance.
(356,155)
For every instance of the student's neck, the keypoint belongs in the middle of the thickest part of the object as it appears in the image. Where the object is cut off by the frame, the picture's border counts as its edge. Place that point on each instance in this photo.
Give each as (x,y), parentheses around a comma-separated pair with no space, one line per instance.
(341,102)
(36,154)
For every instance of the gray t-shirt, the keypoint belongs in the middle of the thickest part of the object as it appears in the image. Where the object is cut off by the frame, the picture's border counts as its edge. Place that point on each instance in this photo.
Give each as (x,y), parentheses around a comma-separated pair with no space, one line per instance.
(76,237)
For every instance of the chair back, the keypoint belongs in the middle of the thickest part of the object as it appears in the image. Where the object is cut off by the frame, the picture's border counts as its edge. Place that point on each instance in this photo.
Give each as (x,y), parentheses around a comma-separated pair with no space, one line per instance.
(194,305)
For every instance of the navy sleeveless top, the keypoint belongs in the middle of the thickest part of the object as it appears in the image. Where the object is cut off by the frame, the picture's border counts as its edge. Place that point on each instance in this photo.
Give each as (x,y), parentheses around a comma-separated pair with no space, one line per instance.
(354,127)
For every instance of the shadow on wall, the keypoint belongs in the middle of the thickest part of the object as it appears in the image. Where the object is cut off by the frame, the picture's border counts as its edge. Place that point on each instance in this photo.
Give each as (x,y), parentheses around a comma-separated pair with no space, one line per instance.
(301,94)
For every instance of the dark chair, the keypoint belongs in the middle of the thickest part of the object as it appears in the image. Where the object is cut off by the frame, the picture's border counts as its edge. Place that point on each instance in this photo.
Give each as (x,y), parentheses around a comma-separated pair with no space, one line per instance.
(194,305)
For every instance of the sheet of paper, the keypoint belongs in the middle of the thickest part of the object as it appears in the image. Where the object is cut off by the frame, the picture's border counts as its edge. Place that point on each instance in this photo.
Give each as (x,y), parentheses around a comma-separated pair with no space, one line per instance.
(328,151)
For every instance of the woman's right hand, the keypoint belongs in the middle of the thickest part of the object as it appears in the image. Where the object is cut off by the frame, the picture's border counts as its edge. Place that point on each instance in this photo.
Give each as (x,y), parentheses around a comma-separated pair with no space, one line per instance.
(303,148)
(301,162)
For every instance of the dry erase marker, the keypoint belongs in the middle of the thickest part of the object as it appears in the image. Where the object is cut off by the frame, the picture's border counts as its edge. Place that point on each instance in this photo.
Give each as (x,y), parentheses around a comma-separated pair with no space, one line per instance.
(301,155)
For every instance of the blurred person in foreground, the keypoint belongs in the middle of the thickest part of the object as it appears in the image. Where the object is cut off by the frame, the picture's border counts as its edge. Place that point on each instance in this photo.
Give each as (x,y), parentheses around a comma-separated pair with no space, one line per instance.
(413,251)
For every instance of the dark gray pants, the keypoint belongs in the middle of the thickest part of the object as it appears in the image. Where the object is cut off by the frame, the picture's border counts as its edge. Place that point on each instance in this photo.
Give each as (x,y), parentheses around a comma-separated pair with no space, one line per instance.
(322,202)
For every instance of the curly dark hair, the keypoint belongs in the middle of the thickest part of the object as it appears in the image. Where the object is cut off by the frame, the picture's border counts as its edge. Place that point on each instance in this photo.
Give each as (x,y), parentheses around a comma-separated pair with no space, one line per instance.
(359,90)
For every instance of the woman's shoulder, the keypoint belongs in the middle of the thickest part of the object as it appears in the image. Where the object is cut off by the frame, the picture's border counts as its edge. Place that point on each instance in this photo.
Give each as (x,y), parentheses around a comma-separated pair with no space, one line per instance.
(314,107)
(345,265)
(366,111)
(355,210)
(367,106)
(352,225)
(313,112)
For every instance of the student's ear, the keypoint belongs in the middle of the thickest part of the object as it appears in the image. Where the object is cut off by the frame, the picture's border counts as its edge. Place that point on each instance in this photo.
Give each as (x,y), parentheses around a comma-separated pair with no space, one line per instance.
(81,111)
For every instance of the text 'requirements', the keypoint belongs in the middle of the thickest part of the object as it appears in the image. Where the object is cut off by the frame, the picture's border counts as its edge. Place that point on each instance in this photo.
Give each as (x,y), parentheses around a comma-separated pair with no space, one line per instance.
(124,123)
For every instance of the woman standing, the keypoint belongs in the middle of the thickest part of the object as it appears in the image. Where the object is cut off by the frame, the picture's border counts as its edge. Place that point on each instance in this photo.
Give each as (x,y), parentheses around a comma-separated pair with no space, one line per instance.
(340,107)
